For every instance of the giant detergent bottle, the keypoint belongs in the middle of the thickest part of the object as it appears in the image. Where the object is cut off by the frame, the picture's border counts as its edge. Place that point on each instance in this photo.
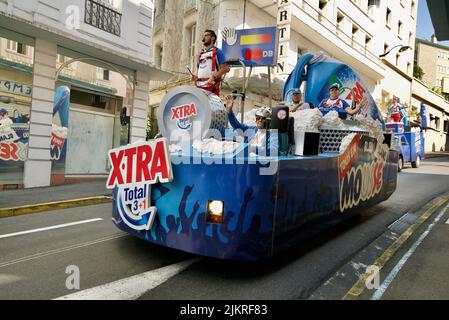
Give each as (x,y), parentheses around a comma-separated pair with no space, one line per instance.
(321,72)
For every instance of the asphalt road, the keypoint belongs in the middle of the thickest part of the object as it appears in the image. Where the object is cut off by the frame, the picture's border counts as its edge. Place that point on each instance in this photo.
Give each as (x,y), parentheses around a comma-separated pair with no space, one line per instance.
(33,265)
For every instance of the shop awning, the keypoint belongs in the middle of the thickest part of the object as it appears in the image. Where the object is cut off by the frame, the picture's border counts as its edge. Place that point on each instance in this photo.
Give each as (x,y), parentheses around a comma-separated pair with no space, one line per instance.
(439,13)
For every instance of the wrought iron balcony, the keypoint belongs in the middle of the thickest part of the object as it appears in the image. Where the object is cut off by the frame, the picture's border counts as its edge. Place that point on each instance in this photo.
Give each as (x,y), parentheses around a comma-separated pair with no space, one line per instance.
(102,17)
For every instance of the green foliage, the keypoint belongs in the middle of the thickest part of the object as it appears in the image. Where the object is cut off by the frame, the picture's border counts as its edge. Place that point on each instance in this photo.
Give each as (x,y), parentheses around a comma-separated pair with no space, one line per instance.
(418,72)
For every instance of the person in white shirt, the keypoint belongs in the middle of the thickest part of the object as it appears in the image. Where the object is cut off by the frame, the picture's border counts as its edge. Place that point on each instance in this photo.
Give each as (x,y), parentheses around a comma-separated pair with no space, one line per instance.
(297,104)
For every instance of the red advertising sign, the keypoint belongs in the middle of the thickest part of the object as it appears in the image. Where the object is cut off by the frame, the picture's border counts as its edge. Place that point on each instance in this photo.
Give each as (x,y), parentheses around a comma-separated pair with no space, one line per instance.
(57,140)
(143,162)
(349,155)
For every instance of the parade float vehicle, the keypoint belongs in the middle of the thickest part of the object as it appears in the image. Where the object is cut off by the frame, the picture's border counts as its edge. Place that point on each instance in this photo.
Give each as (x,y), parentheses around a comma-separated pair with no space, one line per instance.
(201,189)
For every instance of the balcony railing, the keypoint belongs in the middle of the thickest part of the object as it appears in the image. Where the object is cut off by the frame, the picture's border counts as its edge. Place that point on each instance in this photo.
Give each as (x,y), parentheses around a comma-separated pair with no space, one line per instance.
(335,29)
(102,17)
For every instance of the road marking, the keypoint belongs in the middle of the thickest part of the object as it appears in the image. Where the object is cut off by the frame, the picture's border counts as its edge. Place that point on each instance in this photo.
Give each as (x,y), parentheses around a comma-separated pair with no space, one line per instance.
(133,287)
(383,288)
(56,251)
(447,222)
(359,287)
(65,225)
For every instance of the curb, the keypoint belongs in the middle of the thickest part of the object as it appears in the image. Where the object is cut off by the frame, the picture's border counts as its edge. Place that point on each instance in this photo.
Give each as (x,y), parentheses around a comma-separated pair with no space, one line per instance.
(359,287)
(50,206)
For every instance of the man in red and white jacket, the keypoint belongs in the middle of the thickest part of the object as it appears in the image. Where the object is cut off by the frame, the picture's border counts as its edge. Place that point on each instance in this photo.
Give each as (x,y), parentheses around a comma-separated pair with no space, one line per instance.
(211,65)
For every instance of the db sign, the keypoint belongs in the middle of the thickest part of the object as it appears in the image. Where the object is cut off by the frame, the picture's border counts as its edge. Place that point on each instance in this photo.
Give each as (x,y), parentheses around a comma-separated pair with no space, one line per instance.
(256,47)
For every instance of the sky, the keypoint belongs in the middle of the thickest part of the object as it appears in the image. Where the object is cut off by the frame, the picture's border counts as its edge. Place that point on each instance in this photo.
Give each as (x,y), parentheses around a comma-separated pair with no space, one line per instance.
(424,27)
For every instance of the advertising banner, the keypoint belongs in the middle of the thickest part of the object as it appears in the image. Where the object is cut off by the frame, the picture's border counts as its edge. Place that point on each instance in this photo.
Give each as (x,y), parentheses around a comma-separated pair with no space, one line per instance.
(256,47)
(58,147)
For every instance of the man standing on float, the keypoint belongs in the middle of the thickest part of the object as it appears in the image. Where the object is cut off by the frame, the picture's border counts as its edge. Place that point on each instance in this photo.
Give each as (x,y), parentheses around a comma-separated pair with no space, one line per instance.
(211,65)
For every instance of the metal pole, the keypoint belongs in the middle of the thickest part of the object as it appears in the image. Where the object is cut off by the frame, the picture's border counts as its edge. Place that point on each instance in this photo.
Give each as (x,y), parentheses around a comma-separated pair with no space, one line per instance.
(269,87)
(242,105)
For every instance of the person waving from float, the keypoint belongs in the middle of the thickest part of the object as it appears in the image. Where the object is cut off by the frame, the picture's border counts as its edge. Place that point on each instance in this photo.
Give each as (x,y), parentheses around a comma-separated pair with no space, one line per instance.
(334,103)
(211,66)
(261,140)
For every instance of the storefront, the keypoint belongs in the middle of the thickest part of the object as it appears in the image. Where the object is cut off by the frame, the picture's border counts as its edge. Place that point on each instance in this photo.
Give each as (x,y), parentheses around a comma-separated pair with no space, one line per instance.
(85,125)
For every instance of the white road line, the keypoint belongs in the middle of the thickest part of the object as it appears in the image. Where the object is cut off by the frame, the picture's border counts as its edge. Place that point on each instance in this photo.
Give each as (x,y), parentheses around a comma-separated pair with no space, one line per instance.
(383,288)
(133,287)
(56,251)
(447,222)
(49,228)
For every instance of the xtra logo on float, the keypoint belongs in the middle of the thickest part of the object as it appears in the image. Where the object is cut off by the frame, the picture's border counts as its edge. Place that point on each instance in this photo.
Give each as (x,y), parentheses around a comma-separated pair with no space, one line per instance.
(134,168)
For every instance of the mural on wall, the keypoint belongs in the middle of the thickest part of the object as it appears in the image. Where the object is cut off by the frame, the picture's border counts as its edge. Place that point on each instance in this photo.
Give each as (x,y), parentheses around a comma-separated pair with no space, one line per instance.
(14,129)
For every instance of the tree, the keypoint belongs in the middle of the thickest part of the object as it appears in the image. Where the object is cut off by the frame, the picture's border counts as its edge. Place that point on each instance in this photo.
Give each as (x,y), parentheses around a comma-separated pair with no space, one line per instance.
(418,73)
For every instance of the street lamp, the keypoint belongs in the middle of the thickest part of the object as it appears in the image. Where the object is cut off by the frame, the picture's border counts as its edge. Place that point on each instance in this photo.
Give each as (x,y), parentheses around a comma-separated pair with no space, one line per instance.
(403,48)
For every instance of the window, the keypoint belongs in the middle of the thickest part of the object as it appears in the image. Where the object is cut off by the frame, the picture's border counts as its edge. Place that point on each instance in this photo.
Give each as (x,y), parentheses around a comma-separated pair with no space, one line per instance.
(438,82)
(368,42)
(437,123)
(340,21)
(17,47)
(106,75)
(398,59)
(11,45)
(409,68)
(158,55)
(373,3)
(103,74)
(412,9)
(192,45)
(386,46)
(388,18)
(322,4)
(400,29)
(446,126)
(410,39)
(355,31)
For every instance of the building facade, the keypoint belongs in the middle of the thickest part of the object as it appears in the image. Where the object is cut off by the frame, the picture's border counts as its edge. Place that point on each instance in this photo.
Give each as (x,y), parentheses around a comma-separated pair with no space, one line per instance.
(433,59)
(353,31)
(88,46)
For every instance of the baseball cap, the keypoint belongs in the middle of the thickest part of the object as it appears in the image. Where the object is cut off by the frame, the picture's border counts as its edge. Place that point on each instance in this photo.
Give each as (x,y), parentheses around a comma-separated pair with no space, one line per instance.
(2,110)
(296,91)
(264,112)
(334,85)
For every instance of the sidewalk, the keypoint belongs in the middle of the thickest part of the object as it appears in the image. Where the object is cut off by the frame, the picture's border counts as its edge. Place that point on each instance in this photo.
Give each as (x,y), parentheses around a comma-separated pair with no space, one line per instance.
(27,197)
(437,154)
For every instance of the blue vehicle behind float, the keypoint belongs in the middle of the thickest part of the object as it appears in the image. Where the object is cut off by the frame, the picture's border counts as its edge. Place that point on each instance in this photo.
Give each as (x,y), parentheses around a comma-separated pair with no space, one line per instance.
(239,207)
(410,145)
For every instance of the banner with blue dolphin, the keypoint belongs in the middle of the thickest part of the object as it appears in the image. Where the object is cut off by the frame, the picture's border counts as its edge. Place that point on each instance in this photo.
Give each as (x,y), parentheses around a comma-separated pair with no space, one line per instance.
(324,72)
(58,148)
